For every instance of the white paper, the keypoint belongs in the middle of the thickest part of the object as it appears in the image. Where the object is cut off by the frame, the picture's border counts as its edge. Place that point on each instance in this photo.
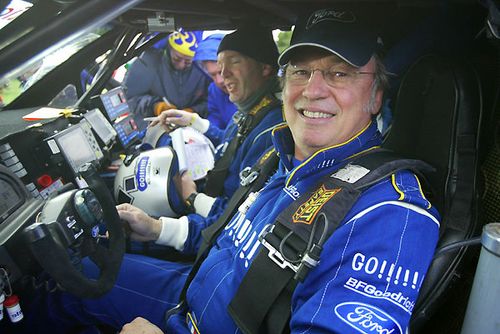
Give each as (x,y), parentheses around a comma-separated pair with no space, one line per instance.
(194,152)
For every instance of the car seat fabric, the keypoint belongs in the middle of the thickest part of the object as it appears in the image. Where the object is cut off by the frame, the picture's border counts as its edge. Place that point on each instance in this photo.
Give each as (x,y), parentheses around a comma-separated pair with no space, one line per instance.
(436,119)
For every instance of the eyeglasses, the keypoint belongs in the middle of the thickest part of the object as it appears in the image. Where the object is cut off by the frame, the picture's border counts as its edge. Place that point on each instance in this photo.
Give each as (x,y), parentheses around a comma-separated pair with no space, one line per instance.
(300,75)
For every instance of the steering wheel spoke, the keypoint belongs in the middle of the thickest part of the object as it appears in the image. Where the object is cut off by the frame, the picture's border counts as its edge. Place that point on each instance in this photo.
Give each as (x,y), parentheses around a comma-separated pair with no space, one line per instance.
(68,230)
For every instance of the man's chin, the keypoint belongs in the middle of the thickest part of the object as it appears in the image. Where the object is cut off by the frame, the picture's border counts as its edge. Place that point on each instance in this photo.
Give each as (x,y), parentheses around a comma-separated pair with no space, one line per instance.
(233,98)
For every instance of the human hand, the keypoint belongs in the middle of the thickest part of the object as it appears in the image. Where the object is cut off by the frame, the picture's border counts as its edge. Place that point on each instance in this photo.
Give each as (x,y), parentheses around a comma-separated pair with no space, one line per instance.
(162,105)
(142,226)
(181,118)
(140,326)
(175,116)
(187,185)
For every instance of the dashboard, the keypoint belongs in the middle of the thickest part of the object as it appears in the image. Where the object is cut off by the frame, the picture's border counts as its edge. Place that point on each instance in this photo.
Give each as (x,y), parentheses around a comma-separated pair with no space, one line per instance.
(41,160)
(47,154)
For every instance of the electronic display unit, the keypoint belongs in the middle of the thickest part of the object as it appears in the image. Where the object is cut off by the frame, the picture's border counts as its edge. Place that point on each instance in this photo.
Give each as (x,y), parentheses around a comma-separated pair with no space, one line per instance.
(114,103)
(10,197)
(116,109)
(101,126)
(78,145)
(127,130)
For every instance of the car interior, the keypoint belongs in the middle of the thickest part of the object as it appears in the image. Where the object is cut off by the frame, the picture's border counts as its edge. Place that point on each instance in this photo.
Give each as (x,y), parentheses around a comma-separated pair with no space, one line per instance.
(442,107)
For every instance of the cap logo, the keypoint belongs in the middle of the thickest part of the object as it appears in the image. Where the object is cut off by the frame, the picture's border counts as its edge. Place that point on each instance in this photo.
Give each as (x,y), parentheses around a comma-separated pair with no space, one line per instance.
(330,15)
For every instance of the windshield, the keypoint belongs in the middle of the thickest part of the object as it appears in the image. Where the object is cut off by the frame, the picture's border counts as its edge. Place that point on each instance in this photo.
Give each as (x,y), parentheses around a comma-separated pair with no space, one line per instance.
(13,85)
(15,82)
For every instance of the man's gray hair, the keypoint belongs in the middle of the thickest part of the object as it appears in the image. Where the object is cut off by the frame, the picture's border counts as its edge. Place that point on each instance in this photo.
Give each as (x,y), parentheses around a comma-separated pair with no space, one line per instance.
(380,82)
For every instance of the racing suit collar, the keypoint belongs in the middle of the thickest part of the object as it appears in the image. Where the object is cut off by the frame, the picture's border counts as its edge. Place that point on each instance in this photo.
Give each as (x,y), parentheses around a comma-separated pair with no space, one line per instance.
(271,86)
(367,139)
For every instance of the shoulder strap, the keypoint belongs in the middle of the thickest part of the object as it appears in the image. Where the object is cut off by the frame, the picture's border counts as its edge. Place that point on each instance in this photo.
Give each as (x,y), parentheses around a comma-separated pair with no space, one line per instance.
(292,246)
(252,179)
(214,185)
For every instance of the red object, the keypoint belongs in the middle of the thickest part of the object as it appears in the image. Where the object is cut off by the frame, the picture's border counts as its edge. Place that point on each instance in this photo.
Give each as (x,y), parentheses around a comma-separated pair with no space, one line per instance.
(45,180)
(11,301)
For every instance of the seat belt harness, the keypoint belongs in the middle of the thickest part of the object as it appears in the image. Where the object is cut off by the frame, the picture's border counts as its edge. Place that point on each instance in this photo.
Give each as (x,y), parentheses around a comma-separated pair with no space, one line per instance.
(293,244)
(251,180)
(215,179)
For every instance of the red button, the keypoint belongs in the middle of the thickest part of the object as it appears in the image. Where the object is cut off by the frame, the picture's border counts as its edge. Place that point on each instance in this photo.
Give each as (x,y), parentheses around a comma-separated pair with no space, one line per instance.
(44,180)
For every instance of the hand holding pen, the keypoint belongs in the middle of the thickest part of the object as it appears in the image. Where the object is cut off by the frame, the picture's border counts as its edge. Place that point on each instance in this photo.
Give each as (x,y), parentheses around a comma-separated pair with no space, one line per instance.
(173,116)
(163,105)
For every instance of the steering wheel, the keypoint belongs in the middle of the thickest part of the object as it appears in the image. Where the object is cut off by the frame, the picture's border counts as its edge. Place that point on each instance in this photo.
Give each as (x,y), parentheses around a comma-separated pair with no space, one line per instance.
(67,229)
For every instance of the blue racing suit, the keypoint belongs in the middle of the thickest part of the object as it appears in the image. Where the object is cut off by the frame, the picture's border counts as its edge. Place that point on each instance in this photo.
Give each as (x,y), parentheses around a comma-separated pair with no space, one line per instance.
(258,140)
(247,154)
(152,76)
(367,280)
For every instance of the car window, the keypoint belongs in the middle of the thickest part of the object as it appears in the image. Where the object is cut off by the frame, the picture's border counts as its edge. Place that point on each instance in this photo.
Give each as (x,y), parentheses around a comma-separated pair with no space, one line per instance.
(32,71)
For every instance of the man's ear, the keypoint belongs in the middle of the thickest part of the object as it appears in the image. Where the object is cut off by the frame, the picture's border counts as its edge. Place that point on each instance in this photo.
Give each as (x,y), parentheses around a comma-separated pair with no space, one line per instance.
(378,102)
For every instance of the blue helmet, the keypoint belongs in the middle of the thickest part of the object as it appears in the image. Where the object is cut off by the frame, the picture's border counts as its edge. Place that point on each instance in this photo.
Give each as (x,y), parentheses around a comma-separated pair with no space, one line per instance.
(207,49)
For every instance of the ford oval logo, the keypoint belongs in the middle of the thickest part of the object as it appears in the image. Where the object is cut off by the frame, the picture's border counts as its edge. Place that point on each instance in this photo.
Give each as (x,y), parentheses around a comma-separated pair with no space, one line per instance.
(367,319)
(95,231)
(140,176)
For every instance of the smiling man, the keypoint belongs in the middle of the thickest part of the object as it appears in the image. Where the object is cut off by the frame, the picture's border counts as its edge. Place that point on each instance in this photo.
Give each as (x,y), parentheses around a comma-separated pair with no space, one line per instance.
(371,268)
(246,60)
(326,246)
(322,115)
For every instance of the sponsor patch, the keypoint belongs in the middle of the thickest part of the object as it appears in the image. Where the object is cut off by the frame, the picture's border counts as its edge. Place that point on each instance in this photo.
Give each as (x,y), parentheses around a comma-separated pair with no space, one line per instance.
(263,103)
(367,318)
(351,173)
(292,192)
(141,173)
(266,156)
(368,290)
(306,213)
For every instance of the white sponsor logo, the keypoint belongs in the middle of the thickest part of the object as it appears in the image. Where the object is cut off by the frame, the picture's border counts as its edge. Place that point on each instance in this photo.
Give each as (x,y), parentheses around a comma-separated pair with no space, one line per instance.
(371,291)
(367,319)
(391,271)
(292,192)
(350,173)
(330,15)
(142,171)
(244,237)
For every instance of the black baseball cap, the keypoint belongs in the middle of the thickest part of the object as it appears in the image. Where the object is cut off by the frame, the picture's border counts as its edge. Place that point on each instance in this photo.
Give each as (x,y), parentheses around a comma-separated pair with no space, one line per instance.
(340,32)
(252,40)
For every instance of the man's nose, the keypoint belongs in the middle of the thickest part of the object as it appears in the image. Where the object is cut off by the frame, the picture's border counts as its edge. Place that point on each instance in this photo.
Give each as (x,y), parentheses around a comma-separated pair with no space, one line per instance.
(316,87)
(219,80)
(225,71)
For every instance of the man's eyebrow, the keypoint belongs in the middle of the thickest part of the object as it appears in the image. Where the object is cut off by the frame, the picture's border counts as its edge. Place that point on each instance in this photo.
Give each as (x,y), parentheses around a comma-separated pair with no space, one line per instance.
(235,57)
(301,59)
(338,64)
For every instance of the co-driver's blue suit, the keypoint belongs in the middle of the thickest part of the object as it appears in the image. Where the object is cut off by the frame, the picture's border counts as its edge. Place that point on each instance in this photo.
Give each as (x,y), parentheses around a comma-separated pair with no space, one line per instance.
(247,154)
(368,277)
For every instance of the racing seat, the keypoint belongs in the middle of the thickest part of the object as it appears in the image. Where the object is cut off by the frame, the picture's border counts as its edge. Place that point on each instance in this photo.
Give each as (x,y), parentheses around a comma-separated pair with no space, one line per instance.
(436,119)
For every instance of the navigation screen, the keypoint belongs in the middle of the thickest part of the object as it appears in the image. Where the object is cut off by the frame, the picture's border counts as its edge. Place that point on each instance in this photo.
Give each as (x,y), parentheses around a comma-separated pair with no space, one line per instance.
(128,128)
(9,199)
(115,100)
(101,126)
(75,147)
